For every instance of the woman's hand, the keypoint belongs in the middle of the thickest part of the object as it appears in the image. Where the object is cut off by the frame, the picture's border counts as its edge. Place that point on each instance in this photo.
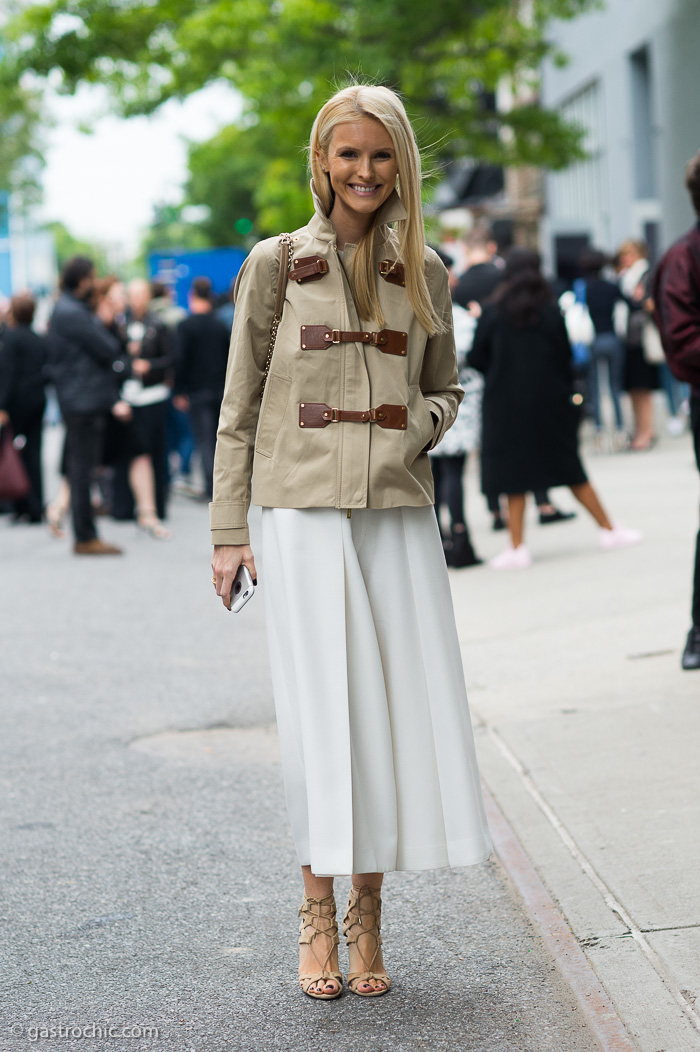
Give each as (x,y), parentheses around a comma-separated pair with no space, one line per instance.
(224,564)
(122,411)
(140,367)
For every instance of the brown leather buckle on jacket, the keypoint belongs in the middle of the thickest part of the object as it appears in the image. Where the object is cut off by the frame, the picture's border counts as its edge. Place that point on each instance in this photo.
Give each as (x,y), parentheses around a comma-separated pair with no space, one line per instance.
(319,337)
(308,268)
(393,272)
(318,414)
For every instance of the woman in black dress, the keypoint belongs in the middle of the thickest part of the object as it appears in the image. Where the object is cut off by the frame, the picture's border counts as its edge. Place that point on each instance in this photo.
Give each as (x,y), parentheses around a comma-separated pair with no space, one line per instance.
(530,437)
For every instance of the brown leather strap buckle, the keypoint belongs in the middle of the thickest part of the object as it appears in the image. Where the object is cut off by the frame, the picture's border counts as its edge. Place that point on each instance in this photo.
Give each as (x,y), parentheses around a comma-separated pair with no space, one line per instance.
(319,337)
(308,268)
(318,414)
(393,272)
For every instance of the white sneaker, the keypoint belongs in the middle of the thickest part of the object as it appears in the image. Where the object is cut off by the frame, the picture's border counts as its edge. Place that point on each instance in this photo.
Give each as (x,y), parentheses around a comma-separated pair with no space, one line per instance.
(619,537)
(512,559)
(675,426)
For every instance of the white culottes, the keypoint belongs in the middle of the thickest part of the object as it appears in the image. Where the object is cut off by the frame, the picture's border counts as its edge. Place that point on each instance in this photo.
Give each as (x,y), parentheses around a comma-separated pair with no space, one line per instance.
(377,747)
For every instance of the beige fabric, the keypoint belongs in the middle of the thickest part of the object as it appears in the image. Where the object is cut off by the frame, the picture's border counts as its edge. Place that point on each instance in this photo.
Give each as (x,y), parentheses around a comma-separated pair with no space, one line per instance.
(344,465)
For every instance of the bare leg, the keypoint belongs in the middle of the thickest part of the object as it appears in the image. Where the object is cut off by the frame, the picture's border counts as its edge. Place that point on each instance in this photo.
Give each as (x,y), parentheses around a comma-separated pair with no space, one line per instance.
(142,482)
(643,408)
(57,509)
(374,880)
(587,496)
(516,517)
(317,888)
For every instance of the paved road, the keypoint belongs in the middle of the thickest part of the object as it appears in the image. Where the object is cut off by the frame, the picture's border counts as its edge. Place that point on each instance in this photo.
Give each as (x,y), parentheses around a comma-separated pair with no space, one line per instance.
(148,877)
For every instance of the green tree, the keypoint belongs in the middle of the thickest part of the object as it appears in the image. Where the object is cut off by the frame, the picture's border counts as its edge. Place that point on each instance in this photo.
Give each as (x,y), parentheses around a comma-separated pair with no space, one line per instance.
(20,156)
(285,56)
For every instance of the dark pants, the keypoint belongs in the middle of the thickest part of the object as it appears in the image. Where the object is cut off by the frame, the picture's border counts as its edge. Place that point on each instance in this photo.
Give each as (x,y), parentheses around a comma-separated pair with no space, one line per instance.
(150,426)
(32,430)
(447,476)
(610,351)
(695,424)
(204,418)
(84,439)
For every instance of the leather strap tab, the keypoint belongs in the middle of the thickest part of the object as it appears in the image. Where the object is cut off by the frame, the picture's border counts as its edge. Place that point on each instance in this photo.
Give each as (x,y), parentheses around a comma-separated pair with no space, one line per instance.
(393,272)
(319,337)
(318,414)
(308,268)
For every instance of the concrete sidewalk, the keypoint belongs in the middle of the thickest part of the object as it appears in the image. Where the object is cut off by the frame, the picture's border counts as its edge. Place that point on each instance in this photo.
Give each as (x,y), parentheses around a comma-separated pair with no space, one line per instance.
(588,730)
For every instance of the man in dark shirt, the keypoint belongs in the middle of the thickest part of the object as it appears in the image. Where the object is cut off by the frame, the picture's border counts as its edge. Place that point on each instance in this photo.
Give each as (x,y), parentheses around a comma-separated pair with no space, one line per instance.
(677,312)
(84,363)
(481,277)
(202,341)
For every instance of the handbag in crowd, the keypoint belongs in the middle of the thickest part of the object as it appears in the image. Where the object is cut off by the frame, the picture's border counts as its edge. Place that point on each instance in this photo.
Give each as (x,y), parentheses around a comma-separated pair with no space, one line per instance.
(283,274)
(651,343)
(578,321)
(14,481)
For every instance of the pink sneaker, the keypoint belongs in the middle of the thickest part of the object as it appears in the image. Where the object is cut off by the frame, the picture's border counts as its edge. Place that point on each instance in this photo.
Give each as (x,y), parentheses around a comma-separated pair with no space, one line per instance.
(512,559)
(619,537)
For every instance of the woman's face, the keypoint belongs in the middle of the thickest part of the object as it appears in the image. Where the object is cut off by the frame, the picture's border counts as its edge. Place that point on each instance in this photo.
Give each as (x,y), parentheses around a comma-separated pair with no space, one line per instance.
(116,296)
(361,163)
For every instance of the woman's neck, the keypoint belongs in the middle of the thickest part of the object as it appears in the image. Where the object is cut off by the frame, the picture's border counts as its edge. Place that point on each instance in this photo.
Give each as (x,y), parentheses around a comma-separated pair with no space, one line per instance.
(349,227)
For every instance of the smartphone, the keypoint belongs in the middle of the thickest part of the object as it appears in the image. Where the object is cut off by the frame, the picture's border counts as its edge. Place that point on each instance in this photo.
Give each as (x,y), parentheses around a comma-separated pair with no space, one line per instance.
(242,590)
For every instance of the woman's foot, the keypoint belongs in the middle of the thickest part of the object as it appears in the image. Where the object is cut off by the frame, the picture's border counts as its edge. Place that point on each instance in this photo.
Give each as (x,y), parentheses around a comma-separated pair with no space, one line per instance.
(362,931)
(319,976)
(619,537)
(512,559)
(151,524)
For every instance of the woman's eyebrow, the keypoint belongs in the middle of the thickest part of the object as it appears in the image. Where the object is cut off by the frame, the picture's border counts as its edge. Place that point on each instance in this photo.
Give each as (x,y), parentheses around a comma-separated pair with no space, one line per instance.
(377,149)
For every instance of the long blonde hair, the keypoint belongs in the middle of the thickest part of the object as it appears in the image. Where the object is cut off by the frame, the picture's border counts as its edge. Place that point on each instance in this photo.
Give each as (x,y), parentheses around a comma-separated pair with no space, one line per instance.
(369,101)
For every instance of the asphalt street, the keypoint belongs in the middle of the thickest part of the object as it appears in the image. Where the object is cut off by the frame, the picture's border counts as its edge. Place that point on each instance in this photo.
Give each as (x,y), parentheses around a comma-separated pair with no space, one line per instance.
(148,876)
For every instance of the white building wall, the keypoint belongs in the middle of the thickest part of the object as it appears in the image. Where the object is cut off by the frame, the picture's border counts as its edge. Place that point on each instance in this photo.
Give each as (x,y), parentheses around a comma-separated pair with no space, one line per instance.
(599,197)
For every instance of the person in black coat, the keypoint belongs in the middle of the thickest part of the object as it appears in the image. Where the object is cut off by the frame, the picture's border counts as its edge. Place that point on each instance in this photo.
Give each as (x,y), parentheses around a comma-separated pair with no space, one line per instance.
(84,359)
(203,342)
(529,439)
(22,398)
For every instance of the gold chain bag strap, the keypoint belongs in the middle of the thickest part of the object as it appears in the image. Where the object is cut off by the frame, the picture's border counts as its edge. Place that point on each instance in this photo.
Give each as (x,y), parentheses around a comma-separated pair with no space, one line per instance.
(285,267)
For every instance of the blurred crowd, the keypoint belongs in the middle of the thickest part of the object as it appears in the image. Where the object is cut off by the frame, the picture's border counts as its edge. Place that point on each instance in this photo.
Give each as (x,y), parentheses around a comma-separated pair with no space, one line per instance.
(137,382)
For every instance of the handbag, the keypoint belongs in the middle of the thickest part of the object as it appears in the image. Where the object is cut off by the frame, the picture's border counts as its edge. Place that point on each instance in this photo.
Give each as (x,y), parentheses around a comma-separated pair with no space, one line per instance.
(283,274)
(578,321)
(651,343)
(14,480)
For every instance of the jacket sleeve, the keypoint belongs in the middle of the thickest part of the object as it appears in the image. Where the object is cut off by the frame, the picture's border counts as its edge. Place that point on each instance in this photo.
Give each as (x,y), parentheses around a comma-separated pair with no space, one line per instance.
(8,365)
(677,314)
(439,381)
(91,335)
(250,337)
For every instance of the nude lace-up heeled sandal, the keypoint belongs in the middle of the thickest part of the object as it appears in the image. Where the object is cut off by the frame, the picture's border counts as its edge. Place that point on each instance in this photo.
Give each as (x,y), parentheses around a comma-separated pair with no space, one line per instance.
(318,918)
(363,917)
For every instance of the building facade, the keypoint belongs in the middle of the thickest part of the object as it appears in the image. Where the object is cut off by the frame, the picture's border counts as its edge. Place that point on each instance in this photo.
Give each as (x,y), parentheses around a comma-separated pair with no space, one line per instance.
(633,84)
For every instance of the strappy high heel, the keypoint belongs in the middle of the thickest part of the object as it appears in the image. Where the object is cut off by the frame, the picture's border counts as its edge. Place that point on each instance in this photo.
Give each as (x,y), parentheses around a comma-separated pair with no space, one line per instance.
(365,904)
(318,918)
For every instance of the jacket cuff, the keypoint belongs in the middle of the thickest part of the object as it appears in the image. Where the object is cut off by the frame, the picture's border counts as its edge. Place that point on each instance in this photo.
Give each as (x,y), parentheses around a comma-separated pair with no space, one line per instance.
(228,522)
(231,536)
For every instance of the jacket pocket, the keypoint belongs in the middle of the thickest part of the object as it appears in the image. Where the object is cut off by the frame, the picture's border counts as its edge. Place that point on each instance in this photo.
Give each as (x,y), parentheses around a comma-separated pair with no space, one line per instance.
(424,422)
(272,413)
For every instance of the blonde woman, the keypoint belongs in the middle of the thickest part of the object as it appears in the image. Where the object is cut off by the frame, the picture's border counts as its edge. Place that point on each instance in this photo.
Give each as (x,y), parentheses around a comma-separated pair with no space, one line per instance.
(378,756)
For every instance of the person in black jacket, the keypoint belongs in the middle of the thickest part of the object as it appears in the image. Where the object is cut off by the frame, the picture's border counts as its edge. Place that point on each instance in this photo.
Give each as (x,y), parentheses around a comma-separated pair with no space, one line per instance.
(22,397)
(84,359)
(529,438)
(203,341)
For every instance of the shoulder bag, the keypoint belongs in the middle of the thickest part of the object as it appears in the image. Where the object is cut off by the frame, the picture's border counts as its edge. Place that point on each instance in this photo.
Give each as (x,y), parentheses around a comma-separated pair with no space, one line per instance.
(283,273)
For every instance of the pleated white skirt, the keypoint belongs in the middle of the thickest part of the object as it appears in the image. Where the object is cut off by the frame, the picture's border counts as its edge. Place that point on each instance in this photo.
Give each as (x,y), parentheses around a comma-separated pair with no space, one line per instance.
(377,747)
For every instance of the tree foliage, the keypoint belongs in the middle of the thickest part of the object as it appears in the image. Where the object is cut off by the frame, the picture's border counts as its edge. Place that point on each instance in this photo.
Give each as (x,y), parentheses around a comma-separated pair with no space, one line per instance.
(20,156)
(285,57)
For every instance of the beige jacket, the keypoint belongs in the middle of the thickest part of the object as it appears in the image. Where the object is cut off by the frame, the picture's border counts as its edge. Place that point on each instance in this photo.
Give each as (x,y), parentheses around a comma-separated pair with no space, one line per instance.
(344,464)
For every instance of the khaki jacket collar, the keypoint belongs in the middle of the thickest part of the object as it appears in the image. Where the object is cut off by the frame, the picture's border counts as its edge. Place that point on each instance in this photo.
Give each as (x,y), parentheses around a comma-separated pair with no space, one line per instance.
(321,227)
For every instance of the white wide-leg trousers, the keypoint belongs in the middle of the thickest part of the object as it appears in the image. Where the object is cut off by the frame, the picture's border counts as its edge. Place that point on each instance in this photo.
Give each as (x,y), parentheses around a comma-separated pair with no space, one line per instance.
(377,747)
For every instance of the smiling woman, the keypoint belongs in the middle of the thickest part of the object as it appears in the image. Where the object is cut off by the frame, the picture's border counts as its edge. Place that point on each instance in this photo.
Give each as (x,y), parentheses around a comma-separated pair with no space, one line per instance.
(376,742)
